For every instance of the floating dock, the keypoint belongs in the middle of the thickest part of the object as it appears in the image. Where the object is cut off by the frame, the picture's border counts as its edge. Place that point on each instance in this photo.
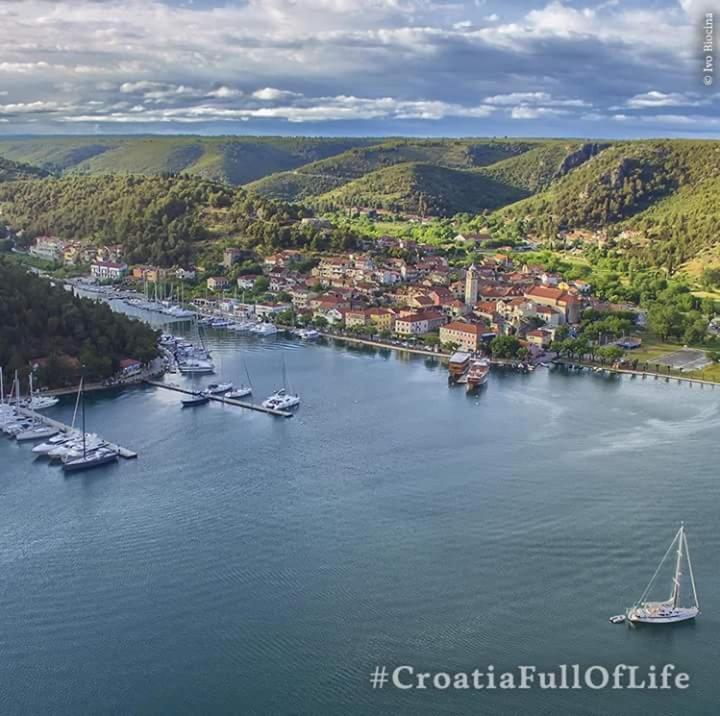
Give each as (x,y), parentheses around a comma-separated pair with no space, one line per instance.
(121,451)
(224,400)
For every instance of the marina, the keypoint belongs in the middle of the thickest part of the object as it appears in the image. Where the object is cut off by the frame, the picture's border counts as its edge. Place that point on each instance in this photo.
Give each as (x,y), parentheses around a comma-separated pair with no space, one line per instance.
(223,399)
(386,493)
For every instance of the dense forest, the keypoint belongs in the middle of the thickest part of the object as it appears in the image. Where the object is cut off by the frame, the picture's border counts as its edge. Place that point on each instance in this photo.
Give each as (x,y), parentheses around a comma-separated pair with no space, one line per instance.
(164,220)
(39,320)
(13,171)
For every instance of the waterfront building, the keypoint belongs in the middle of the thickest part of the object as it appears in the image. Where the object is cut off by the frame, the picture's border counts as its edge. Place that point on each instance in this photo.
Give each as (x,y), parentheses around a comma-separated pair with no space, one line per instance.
(419,323)
(383,318)
(467,336)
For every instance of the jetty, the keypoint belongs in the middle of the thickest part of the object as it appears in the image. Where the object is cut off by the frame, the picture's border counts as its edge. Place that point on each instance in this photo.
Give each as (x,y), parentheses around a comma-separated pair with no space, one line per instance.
(63,428)
(634,372)
(225,401)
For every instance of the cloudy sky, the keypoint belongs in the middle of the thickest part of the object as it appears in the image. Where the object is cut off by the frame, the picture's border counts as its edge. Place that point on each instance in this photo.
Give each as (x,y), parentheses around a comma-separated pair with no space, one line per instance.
(371,67)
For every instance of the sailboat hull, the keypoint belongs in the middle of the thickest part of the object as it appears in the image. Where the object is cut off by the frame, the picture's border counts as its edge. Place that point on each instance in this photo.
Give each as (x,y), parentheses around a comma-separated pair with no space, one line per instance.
(640,615)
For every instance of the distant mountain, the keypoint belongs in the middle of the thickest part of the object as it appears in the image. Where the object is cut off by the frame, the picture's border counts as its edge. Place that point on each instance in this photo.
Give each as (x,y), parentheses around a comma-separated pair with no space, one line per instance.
(235,160)
(14,171)
(666,193)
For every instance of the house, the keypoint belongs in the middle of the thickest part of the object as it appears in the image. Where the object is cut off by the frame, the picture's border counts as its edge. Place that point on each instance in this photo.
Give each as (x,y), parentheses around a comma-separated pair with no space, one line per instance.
(473,238)
(383,318)
(418,323)
(184,274)
(263,310)
(539,337)
(130,366)
(557,298)
(107,270)
(464,335)
(247,282)
(355,317)
(48,248)
(217,283)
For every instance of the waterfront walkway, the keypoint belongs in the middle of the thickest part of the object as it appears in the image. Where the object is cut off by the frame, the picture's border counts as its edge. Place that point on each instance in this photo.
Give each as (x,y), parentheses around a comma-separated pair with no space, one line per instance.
(635,372)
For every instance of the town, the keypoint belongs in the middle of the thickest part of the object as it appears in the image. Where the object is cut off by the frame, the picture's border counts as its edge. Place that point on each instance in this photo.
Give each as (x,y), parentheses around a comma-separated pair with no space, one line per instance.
(394,290)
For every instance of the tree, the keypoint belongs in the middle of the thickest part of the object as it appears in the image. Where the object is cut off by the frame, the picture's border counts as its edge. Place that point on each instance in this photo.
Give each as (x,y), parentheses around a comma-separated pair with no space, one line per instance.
(504,346)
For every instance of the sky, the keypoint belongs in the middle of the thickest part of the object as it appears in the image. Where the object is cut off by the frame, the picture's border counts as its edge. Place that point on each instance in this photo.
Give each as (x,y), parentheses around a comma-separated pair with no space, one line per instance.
(613,68)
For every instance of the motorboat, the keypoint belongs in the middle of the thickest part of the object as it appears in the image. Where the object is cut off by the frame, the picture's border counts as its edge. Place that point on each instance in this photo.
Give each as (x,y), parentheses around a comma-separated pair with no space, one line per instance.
(264,329)
(309,334)
(196,366)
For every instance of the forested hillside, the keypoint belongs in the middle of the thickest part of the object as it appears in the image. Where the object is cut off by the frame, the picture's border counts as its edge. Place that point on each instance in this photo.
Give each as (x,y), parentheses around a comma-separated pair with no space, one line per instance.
(666,190)
(423,189)
(39,320)
(14,171)
(165,220)
(320,177)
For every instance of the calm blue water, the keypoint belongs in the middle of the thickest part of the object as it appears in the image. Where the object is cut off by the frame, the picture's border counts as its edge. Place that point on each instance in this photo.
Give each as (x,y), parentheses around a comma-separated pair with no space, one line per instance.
(246,564)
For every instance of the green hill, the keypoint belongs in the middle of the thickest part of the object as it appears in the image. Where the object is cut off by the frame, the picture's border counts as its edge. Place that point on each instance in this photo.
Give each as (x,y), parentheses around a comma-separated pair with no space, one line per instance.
(14,171)
(667,190)
(424,189)
(236,160)
(323,176)
(165,220)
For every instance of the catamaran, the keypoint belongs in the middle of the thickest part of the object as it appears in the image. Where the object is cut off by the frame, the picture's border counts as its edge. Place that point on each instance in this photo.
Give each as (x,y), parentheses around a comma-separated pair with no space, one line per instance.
(670,610)
(282,399)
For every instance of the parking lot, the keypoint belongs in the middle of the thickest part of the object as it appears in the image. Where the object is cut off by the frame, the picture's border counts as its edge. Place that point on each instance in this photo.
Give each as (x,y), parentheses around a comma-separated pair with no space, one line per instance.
(686,359)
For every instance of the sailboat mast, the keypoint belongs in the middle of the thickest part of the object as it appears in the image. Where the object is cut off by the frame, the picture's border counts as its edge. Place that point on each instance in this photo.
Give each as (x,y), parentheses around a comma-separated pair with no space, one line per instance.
(2,388)
(82,394)
(690,571)
(678,563)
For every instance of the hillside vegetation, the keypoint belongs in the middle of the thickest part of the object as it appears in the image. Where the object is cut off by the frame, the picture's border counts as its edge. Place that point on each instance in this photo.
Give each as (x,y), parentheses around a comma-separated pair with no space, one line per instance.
(166,220)
(667,191)
(320,177)
(15,171)
(424,189)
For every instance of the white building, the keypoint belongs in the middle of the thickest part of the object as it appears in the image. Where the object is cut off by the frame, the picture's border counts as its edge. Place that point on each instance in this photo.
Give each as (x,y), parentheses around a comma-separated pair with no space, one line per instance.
(107,270)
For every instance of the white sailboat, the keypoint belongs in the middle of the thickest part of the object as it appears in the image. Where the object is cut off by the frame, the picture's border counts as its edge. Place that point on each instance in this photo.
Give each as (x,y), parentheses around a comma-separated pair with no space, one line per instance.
(670,610)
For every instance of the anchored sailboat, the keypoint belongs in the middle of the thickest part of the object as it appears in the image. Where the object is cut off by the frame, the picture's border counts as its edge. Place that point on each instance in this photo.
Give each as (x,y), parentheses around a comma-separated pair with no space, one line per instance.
(671,610)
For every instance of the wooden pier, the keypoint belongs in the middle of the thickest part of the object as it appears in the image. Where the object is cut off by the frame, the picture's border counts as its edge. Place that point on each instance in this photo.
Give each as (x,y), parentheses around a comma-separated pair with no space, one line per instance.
(224,400)
(121,451)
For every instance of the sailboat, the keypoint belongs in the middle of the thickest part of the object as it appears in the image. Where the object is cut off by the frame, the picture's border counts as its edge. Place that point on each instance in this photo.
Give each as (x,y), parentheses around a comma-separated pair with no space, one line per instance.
(282,399)
(242,390)
(101,455)
(670,610)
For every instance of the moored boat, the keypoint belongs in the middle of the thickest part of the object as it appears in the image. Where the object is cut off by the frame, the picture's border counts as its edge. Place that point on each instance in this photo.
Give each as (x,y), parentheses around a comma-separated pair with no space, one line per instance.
(670,610)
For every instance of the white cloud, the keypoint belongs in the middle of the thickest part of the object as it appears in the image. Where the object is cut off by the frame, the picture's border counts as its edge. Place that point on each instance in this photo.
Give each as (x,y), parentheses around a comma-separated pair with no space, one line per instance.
(270,94)
(654,98)
(525,112)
